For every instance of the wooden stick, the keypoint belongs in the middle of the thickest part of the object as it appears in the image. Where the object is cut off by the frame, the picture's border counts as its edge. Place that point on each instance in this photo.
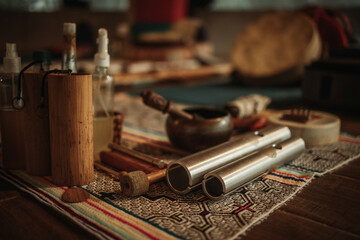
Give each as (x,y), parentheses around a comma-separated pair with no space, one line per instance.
(113,173)
(141,156)
(125,162)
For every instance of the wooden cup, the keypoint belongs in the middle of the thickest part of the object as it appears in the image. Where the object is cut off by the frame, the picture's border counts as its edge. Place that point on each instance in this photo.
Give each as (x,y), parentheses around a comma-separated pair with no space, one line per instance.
(36,127)
(71,128)
(12,139)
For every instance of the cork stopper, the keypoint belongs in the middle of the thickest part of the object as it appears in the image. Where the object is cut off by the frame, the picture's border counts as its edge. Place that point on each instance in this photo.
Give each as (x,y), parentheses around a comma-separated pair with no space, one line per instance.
(69,29)
(134,183)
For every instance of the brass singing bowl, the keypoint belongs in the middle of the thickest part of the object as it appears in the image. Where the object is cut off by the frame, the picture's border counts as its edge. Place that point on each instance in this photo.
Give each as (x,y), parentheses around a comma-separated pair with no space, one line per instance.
(209,127)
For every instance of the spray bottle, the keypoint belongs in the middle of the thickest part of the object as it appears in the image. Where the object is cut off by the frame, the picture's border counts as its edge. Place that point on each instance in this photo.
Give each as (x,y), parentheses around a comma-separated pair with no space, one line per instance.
(8,80)
(12,124)
(103,95)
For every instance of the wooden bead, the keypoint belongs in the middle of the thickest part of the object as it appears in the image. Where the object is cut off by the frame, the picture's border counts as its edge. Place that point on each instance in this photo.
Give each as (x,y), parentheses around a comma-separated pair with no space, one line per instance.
(117,121)
(75,194)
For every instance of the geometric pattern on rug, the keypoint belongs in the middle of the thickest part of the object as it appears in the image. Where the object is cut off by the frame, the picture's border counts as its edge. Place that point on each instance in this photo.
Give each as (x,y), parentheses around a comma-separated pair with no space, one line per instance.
(194,216)
(162,214)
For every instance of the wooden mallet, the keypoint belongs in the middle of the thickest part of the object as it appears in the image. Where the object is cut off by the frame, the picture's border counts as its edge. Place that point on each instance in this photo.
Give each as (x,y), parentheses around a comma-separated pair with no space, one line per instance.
(141,174)
(137,182)
(157,102)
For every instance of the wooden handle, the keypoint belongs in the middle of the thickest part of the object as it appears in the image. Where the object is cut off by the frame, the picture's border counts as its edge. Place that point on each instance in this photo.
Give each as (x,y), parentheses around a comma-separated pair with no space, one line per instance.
(158,102)
(125,162)
(156,176)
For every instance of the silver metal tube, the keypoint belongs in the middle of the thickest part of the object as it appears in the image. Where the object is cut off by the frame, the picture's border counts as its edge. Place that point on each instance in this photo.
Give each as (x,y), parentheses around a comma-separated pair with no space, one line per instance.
(220,182)
(187,173)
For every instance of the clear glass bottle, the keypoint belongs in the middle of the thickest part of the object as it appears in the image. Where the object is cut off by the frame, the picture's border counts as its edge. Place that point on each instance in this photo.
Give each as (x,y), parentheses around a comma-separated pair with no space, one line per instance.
(69,52)
(103,96)
(9,79)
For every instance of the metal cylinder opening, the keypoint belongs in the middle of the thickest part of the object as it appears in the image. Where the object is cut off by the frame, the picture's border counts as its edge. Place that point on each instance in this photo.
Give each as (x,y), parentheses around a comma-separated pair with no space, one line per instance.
(213,187)
(277,146)
(177,177)
(258,133)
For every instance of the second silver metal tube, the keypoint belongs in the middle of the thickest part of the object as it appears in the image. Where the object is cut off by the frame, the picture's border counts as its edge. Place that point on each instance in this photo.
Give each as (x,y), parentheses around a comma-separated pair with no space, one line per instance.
(187,173)
(218,183)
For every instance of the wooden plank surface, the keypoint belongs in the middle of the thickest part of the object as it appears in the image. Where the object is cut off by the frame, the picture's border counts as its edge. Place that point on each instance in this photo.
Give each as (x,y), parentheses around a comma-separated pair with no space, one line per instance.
(328,208)
(203,72)
(284,225)
(23,217)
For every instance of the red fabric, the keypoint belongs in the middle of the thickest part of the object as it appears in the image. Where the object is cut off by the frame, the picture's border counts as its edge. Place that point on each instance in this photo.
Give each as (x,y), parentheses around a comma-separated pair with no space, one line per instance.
(150,11)
(331,31)
(343,20)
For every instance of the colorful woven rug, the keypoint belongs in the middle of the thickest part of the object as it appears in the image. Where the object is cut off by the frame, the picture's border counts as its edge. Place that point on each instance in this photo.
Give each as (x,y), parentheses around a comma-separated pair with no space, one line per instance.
(161,214)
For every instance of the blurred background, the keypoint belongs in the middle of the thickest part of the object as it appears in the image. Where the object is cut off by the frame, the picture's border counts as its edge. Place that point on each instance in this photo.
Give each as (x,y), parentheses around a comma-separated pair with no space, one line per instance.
(37,24)
(179,36)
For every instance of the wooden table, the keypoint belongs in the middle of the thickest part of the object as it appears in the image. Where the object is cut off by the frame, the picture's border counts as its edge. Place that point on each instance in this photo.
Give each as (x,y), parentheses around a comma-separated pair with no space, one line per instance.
(328,208)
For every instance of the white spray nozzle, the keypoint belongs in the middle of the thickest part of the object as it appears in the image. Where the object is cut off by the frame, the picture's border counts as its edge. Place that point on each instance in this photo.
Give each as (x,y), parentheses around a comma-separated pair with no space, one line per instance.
(69,29)
(102,32)
(102,57)
(11,60)
(11,50)
(102,41)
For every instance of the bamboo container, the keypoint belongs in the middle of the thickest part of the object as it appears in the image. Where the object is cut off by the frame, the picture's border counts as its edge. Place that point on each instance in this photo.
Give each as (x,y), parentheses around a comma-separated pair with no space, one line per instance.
(71,128)
(12,140)
(36,127)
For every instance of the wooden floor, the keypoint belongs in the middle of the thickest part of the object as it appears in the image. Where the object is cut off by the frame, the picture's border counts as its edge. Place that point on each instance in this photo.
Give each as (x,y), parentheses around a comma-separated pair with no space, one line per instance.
(328,208)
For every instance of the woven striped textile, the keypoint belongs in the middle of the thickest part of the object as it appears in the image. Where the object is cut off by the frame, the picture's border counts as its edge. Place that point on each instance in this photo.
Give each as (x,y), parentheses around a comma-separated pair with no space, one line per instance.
(162,214)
